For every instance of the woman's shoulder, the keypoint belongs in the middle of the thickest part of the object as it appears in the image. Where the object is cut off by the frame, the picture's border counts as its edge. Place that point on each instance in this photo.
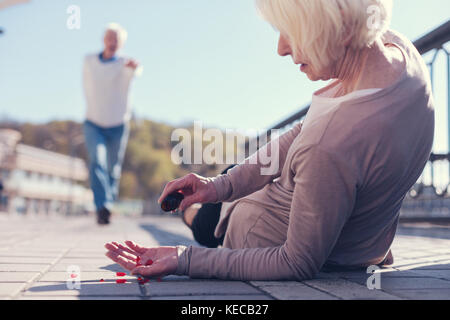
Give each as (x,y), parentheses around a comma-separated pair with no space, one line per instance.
(415,63)
(399,39)
(392,35)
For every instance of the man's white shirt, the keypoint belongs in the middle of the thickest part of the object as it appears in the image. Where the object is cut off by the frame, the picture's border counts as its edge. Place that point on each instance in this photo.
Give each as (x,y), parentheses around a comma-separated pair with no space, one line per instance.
(106,87)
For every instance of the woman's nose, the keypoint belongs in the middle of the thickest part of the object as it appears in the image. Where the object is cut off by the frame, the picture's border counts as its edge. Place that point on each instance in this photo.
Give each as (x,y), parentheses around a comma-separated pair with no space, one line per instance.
(284,48)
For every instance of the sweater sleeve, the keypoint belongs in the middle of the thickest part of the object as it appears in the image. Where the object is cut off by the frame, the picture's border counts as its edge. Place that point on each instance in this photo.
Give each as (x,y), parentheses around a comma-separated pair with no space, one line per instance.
(324,196)
(256,171)
(133,73)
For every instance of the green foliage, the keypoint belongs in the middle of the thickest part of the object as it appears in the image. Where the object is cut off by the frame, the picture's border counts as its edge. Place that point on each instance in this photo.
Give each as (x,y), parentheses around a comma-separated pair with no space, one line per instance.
(147,165)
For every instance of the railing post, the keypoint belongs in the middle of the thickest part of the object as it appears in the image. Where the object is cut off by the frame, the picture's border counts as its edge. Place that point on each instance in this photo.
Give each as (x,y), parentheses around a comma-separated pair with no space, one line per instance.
(448,111)
(448,99)
(431,66)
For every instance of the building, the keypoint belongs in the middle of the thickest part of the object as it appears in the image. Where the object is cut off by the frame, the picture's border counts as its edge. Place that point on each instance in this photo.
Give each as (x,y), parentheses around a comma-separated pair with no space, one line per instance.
(37,181)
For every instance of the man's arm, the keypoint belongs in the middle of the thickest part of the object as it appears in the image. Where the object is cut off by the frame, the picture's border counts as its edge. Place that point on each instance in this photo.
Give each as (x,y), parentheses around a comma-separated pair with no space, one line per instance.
(134,66)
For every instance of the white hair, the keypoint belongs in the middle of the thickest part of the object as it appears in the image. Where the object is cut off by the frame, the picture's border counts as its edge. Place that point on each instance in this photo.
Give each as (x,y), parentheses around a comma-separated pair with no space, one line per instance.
(318,27)
(122,34)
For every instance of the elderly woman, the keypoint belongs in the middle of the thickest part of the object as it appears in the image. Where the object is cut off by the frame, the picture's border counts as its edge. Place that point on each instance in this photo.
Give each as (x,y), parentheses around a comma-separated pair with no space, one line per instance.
(343,172)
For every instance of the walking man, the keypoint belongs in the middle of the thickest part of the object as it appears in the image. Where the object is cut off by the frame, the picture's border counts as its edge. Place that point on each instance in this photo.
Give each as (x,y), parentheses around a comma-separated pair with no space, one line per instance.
(106,80)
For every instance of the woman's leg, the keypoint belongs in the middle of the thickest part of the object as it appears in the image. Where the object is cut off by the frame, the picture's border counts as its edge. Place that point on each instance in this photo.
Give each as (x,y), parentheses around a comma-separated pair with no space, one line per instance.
(205,221)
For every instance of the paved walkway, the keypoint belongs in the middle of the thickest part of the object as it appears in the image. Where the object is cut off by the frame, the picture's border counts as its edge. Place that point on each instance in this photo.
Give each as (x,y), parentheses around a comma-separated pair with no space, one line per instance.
(36,252)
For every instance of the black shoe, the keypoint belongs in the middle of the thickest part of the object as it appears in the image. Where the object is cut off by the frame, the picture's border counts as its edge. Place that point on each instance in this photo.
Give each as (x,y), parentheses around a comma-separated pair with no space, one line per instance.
(103,216)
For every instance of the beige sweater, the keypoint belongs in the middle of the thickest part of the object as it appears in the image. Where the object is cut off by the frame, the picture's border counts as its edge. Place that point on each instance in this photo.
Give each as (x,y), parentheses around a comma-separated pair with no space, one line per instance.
(342,180)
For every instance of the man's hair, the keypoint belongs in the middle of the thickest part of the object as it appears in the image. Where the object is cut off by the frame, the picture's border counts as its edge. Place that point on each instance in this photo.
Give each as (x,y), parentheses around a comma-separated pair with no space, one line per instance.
(317,27)
(122,34)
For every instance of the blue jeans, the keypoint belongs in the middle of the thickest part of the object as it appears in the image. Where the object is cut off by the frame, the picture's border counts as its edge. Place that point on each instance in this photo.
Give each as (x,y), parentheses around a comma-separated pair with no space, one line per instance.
(106,149)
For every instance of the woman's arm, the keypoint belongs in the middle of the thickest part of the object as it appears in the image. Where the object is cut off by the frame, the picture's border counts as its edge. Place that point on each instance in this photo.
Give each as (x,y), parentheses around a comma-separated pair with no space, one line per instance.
(324,196)
(254,173)
(323,199)
(240,181)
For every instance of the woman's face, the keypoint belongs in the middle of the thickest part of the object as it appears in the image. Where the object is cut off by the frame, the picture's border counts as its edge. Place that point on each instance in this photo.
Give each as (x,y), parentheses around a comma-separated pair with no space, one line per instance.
(285,49)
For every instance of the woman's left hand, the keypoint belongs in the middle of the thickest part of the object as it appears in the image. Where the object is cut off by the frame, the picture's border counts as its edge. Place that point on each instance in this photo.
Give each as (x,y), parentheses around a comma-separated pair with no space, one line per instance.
(147,262)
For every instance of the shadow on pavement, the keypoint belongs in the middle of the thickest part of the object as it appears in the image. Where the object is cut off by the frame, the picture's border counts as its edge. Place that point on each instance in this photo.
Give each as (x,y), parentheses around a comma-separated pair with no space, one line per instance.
(112,267)
(89,290)
(167,238)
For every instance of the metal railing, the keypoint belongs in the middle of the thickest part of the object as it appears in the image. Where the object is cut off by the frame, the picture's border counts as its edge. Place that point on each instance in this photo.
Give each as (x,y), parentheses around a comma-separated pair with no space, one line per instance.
(432,41)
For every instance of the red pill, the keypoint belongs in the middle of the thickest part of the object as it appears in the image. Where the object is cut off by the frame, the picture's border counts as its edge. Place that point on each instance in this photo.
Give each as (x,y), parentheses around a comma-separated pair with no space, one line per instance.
(121,281)
(138,262)
(121,274)
(149,262)
(101,280)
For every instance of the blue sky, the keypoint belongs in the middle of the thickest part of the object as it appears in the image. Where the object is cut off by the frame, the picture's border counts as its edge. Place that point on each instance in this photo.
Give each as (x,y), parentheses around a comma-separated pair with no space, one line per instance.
(206,60)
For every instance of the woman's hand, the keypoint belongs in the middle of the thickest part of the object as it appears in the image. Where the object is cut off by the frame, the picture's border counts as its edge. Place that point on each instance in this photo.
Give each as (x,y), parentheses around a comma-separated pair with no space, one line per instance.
(147,262)
(195,188)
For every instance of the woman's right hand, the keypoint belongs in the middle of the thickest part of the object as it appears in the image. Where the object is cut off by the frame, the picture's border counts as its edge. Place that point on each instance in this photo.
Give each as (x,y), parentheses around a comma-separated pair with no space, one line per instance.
(147,262)
(195,188)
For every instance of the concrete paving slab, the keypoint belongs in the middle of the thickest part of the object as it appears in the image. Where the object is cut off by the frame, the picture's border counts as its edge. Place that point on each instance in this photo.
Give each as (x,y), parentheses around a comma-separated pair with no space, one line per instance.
(87,288)
(440,250)
(197,287)
(100,254)
(39,249)
(423,294)
(348,290)
(29,253)
(79,241)
(8,289)
(214,297)
(107,276)
(413,283)
(23,260)
(291,290)
(391,273)
(439,265)
(42,297)
(17,276)
(389,284)
(8,267)
(108,266)
(86,260)
(86,297)
(439,274)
